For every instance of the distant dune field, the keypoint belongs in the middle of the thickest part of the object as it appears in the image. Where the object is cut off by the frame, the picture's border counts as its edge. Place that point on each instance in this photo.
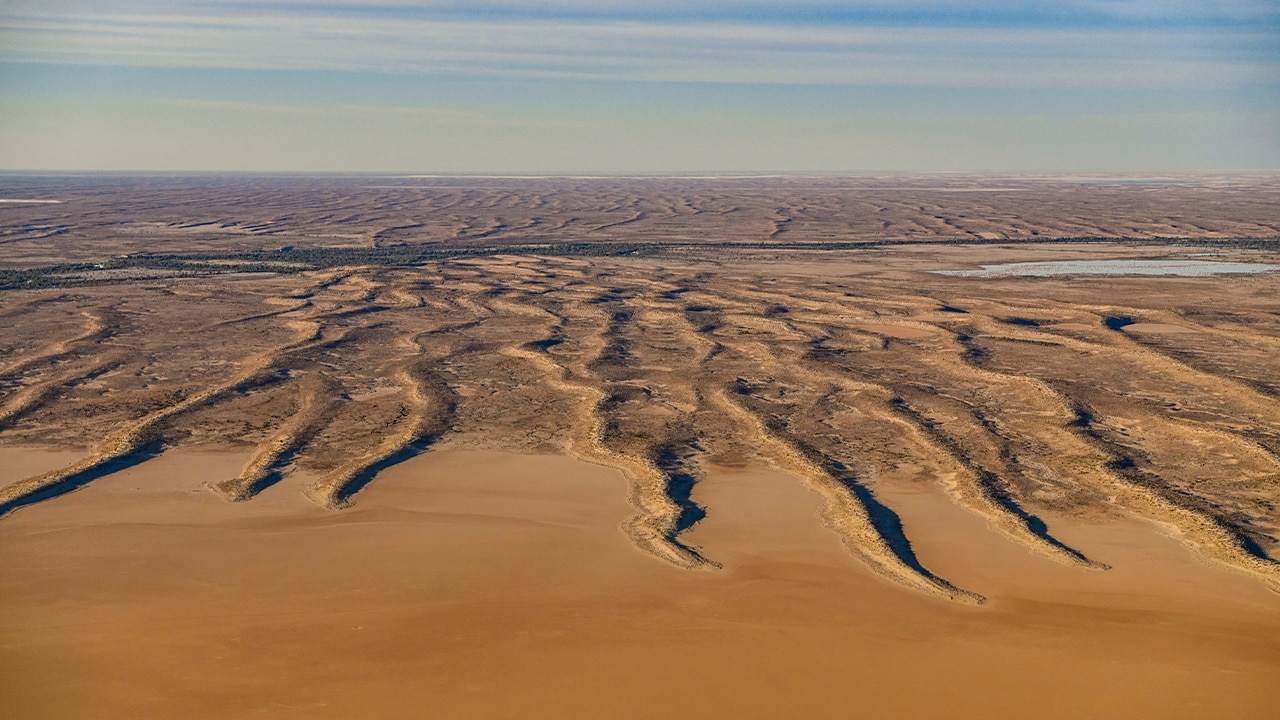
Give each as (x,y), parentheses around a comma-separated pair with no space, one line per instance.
(102,216)
(540,479)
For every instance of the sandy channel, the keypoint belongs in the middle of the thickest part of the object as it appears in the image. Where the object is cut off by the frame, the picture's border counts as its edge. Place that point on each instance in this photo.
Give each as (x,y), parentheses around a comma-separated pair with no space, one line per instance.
(480,584)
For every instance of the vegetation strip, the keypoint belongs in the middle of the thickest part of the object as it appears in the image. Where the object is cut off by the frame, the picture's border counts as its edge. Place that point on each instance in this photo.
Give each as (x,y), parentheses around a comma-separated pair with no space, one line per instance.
(290,259)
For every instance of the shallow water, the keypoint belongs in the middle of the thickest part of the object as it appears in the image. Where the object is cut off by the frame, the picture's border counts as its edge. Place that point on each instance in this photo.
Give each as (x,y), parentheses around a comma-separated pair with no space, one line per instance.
(1115,266)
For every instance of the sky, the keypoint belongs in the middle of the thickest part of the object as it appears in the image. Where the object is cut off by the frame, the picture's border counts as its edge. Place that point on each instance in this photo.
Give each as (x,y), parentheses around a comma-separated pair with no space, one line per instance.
(616,86)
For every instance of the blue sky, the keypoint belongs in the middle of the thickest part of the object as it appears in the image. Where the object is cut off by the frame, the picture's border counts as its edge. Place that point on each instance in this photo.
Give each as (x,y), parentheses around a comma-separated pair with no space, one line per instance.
(620,86)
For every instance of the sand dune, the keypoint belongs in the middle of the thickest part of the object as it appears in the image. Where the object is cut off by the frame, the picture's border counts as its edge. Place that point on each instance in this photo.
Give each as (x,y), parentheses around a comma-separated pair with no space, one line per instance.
(762,479)
(658,368)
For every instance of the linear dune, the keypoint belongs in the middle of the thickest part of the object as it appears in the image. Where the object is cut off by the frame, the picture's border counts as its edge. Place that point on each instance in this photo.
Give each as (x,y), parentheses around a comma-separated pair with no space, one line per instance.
(654,526)
(136,435)
(317,401)
(427,410)
(852,389)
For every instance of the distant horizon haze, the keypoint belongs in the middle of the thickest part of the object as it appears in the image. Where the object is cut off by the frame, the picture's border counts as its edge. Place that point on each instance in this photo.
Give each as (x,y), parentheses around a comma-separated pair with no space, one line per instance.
(620,87)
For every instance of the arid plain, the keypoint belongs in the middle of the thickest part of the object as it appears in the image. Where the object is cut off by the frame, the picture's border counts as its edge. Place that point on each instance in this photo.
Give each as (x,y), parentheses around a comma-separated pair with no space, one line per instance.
(632,447)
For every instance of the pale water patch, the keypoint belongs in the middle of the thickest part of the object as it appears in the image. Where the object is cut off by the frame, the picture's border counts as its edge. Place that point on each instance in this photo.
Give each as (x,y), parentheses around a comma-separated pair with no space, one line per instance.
(1113,266)
(26,200)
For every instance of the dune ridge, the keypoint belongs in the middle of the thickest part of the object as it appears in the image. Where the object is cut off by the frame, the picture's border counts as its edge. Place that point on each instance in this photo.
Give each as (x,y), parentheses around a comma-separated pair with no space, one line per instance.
(1018,407)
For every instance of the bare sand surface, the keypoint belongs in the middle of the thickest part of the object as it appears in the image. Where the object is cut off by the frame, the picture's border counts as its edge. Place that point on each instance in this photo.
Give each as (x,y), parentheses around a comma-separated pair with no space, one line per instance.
(1074,327)
(1157,328)
(896,331)
(470,583)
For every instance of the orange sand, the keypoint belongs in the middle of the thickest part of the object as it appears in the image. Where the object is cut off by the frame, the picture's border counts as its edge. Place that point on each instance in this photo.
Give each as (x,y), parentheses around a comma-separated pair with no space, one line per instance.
(480,584)
(1159,328)
(897,331)
(1074,327)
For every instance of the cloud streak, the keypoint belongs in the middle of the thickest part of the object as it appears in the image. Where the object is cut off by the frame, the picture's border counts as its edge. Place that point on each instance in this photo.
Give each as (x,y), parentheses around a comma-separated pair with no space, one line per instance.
(364,113)
(619,85)
(362,38)
(992,12)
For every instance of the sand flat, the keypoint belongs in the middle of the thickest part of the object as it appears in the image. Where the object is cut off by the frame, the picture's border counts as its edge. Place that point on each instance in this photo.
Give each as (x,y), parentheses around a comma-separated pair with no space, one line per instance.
(481,584)
(1072,326)
(19,462)
(1158,328)
(905,332)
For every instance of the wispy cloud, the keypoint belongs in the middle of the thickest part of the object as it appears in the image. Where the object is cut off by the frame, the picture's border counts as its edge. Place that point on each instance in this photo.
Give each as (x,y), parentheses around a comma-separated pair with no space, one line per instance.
(493,85)
(367,112)
(1000,12)
(616,41)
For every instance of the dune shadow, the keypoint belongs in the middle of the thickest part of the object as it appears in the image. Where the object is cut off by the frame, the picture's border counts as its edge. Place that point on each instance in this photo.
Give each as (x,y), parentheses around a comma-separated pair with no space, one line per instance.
(1116,323)
(680,489)
(887,523)
(267,481)
(366,476)
(889,526)
(1040,529)
(1124,465)
(989,483)
(75,481)
(273,475)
